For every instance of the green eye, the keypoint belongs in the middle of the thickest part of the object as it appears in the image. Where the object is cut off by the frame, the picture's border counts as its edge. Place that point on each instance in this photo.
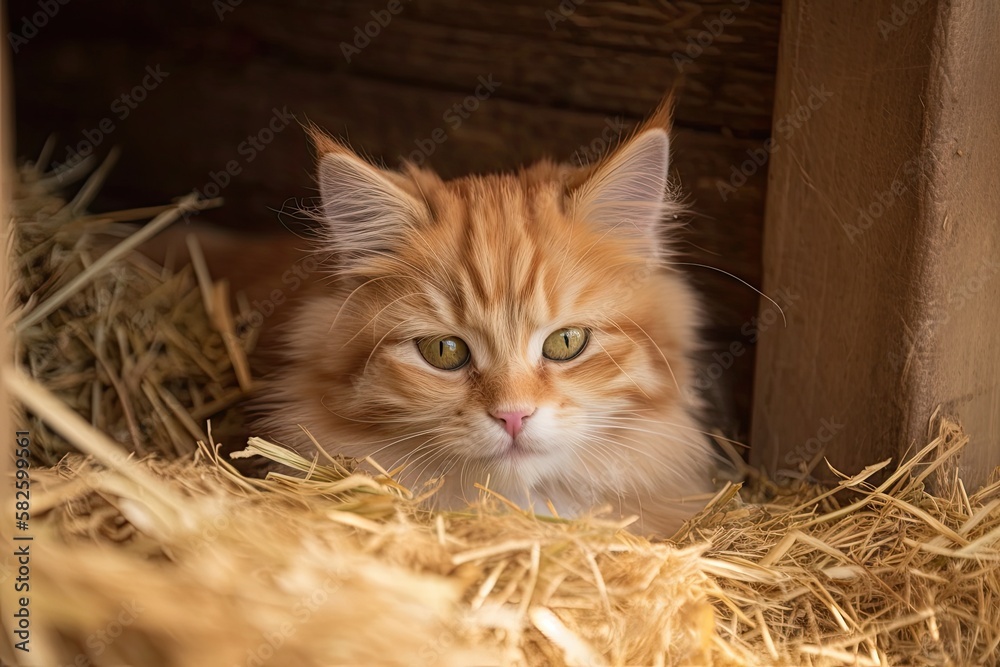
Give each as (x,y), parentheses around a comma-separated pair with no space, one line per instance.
(565,344)
(448,353)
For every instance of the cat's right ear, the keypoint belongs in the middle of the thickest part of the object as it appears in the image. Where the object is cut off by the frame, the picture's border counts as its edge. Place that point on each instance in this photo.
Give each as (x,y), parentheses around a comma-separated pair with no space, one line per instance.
(626,194)
(364,211)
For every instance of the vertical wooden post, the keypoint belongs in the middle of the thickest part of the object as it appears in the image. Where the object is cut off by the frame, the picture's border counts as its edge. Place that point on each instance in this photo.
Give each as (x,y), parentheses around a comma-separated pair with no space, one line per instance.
(883,219)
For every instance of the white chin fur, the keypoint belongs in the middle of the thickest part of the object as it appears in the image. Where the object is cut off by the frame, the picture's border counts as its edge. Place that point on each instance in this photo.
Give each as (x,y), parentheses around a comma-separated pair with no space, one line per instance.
(654,474)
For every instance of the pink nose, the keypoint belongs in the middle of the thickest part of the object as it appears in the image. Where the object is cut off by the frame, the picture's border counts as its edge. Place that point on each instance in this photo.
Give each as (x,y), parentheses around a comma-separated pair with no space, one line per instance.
(513,420)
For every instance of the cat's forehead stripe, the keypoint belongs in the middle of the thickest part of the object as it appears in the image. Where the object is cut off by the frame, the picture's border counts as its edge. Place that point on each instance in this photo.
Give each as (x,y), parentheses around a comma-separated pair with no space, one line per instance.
(503,257)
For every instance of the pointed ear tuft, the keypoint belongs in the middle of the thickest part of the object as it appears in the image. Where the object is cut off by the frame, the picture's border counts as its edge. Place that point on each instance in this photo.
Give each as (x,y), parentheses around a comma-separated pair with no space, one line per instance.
(365,212)
(322,142)
(663,117)
(626,194)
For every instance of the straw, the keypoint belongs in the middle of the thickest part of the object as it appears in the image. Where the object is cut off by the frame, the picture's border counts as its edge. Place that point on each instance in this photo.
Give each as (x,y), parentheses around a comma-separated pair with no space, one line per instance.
(328,565)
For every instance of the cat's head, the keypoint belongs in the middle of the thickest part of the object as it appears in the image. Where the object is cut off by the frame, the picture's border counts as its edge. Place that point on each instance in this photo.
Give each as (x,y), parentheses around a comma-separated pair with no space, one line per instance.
(524,325)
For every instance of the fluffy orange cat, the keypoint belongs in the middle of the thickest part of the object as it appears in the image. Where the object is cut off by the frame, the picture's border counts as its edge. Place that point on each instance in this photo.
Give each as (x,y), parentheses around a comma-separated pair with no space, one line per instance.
(520,330)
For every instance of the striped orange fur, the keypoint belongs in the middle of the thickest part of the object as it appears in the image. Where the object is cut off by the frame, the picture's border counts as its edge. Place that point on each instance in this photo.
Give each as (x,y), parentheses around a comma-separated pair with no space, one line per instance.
(501,262)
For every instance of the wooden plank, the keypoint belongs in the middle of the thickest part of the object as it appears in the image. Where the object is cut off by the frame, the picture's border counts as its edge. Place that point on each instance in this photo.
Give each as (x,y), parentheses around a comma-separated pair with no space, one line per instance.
(606,56)
(882,220)
(956,342)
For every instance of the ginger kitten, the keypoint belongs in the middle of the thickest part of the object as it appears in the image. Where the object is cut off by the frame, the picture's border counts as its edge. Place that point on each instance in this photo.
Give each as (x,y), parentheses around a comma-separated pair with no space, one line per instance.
(523,329)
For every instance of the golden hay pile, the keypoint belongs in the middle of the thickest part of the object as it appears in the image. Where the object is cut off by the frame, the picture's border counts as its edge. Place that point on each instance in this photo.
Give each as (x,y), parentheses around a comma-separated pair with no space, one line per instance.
(125,342)
(177,559)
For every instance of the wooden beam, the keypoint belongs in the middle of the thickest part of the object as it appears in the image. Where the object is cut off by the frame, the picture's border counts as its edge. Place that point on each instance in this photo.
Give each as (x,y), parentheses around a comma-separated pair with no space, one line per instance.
(882,221)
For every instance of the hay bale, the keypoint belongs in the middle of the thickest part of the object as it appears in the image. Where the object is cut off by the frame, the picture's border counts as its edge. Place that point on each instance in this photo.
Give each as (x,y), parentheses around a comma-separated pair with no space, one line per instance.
(123,341)
(347,572)
(177,559)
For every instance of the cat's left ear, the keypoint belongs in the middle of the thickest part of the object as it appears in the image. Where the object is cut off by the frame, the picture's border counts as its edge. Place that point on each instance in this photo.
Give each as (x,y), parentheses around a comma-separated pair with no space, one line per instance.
(626,194)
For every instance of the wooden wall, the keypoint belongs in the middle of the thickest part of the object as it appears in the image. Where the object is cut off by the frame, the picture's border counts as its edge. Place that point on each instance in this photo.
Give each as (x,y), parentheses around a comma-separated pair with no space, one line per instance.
(568,73)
